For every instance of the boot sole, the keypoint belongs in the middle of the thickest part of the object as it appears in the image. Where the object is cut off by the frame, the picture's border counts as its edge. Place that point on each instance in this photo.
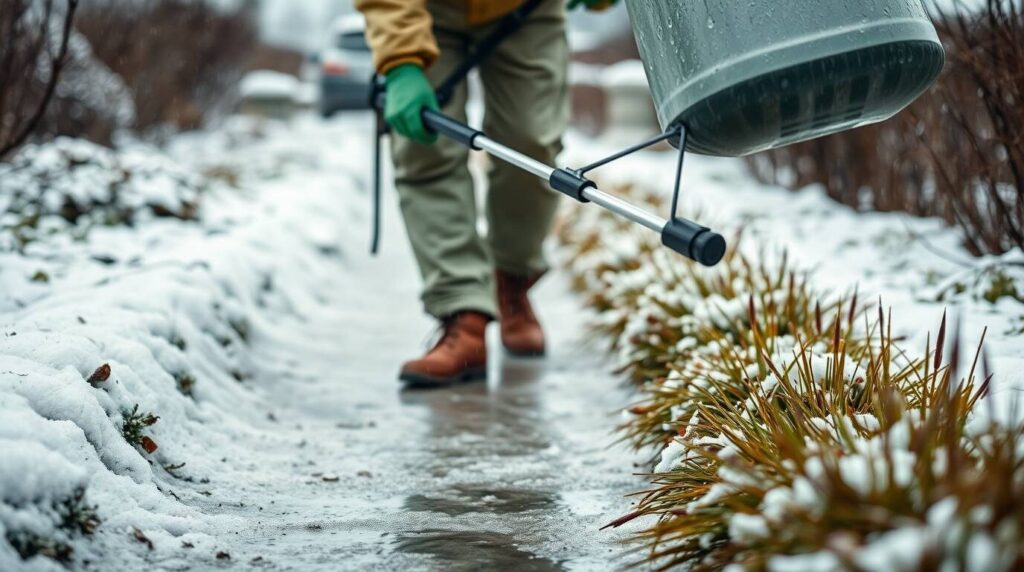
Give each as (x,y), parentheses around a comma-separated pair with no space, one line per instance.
(421,380)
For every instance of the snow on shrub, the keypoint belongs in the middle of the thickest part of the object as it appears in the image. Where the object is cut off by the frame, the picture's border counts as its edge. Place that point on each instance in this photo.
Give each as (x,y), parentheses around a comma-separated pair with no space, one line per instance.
(655,310)
(93,411)
(992,281)
(71,183)
(42,507)
(794,434)
(122,379)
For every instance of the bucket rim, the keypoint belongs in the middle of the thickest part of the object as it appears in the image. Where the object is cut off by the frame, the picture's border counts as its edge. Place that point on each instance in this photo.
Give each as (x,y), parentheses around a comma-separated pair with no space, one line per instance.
(788,54)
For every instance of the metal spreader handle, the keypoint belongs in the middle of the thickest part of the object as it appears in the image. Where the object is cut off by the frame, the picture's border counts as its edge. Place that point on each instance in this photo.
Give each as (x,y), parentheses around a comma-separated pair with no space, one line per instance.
(683,236)
(686,237)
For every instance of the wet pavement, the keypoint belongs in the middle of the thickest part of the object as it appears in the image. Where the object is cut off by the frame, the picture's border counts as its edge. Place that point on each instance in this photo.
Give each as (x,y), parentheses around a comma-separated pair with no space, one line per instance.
(352,472)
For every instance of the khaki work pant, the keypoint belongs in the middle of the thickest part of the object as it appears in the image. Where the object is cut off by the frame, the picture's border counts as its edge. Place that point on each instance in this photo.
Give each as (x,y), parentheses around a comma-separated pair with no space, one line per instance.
(526,103)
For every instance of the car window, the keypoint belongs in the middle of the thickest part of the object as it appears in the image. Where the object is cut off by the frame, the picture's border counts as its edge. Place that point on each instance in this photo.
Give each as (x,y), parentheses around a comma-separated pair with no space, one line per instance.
(352,41)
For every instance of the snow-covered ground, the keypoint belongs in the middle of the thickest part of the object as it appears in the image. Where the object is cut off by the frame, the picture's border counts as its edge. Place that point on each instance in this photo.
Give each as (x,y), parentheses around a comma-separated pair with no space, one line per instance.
(264,341)
(100,320)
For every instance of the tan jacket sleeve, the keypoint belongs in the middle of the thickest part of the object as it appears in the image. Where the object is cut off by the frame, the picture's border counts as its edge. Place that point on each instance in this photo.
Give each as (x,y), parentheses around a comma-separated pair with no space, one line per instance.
(399,32)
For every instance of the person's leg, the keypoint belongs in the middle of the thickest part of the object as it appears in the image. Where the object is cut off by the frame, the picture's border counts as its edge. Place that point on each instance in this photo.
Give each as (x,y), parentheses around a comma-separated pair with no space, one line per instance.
(439,208)
(527,108)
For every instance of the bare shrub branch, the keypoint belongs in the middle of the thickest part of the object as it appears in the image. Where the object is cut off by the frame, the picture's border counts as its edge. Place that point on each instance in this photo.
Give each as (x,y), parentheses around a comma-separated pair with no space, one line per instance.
(179,58)
(26,50)
(956,153)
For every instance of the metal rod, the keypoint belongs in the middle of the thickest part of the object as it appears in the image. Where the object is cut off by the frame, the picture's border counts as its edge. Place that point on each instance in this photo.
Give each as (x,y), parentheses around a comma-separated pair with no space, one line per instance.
(679,172)
(512,156)
(601,198)
(380,126)
(624,209)
(683,236)
(628,151)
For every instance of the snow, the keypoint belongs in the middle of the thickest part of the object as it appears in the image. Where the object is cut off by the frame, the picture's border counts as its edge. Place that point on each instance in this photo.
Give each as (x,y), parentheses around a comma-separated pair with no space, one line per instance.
(268,84)
(33,471)
(898,549)
(748,527)
(217,323)
(671,456)
(73,183)
(348,24)
(627,74)
(167,304)
(92,84)
(813,562)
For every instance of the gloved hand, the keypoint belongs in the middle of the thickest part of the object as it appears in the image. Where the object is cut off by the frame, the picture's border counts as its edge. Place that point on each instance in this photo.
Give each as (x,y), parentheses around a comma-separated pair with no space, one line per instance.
(408,92)
(595,5)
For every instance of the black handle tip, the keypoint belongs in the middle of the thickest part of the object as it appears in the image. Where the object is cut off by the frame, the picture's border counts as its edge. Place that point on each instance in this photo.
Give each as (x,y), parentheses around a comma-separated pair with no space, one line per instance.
(708,248)
(694,241)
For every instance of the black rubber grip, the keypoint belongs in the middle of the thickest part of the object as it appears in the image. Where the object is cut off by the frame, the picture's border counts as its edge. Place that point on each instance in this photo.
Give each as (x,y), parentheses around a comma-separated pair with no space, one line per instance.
(693,241)
(570,183)
(441,123)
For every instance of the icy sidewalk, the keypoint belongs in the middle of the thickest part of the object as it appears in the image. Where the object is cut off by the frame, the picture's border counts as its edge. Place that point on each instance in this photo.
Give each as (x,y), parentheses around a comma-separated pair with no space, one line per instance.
(514,474)
(260,345)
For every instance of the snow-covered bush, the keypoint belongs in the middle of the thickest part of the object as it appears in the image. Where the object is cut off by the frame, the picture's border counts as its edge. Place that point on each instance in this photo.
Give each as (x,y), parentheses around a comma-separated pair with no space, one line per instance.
(127,336)
(992,282)
(42,507)
(71,184)
(96,423)
(817,456)
(793,433)
(655,310)
(90,100)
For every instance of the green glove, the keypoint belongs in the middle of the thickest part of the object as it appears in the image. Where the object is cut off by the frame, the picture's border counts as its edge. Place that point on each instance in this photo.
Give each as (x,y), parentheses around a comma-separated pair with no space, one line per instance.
(591,4)
(408,92)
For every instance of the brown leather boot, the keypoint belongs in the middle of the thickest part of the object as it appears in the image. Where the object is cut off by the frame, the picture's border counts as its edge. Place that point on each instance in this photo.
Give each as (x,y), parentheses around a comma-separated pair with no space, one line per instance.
(459,356)
(521,333)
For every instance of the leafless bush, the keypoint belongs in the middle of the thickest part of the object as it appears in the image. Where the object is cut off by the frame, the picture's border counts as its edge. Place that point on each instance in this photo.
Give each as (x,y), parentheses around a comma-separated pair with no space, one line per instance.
(956,153)
(179,58)
(35,36)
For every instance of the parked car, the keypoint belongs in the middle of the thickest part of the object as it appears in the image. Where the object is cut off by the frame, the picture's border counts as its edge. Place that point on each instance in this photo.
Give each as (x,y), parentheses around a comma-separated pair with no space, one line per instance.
(346,67)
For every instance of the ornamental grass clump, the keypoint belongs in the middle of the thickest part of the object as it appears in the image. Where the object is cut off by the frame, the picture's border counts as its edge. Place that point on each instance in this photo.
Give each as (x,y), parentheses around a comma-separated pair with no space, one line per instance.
(793,432)
(838,458)
(718,361)
(656,311)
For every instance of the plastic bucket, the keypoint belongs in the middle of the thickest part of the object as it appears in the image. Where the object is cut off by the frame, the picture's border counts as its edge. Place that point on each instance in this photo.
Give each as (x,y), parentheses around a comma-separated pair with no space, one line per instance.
(750,75)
